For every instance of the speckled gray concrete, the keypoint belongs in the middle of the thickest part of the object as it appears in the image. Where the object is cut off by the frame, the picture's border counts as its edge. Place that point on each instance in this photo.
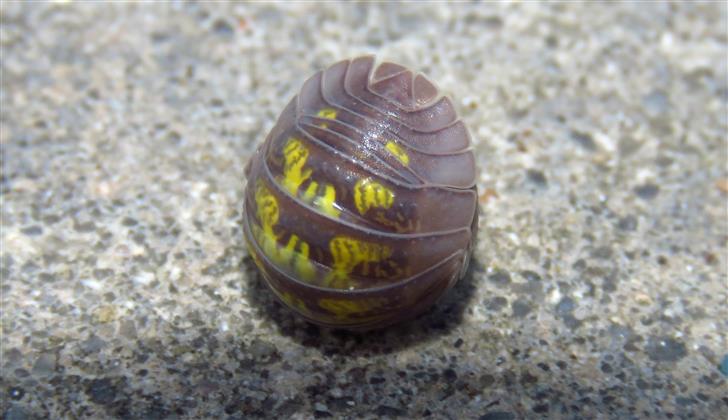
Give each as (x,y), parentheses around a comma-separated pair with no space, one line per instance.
(598,286)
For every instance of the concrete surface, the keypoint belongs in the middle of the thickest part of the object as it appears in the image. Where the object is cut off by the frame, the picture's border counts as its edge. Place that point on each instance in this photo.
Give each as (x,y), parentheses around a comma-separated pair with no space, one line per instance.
(598,287)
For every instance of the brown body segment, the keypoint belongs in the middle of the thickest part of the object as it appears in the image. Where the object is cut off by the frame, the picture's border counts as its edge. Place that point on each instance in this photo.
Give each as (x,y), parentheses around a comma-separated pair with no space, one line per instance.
(361,206)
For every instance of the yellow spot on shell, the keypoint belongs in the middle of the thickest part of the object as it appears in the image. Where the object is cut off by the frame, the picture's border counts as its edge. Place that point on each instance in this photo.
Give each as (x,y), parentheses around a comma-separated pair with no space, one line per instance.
(326,201)
(348,253)
(320,196)
(397,152)
(295,254)
(295,155)
(294,302)
(347,308)
(371,194)
(328,113)
(310,194)
(267,212)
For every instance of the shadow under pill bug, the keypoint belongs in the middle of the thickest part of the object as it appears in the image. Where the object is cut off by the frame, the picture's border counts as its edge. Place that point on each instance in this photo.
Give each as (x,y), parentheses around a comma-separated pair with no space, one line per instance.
(361,205)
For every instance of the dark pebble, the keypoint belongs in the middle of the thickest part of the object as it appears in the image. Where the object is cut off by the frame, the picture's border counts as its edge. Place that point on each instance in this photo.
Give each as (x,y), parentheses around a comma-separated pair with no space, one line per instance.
(497,415)
(101,391)
(606,368)
(609,284)
(84,227)
(13,357)
(528,379)
(128,221)
(223,28)
(683,401)
(603,252)
(386,410)
(565,306)
(157,37)
(156,411)
(92,344)
(521,308)
(530,275)
(128,329)
(376,380)
(584,140)
(627,223)
(579,265)
(340,404)
(710,258)
(665,349)
(44,365)
(174,137)
(497,303)
(32,230)
(486,380)
(500,277)
(102,273)
(647,191)
(537,177)
(541,408)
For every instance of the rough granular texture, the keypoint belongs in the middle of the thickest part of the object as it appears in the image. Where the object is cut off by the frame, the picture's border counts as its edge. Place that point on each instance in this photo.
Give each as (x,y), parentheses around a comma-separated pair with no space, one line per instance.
(597,287)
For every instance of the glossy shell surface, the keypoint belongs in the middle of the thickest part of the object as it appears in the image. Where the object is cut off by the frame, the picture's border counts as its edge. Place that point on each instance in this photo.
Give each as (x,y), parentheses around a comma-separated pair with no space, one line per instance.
(361,206)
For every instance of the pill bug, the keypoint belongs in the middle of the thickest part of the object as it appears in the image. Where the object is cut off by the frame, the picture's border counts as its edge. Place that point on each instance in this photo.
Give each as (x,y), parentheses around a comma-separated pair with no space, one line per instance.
(361,206)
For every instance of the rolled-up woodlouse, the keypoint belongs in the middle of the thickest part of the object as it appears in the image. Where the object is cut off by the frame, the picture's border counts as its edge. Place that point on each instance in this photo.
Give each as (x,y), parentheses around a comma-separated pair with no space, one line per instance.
(361,205)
